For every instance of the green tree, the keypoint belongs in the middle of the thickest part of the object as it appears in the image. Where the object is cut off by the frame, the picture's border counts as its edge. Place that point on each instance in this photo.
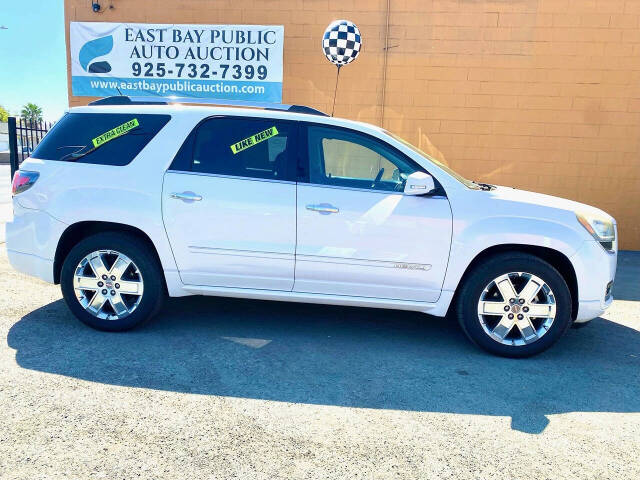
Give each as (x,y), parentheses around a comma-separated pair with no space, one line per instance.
(31,112)
(4,114)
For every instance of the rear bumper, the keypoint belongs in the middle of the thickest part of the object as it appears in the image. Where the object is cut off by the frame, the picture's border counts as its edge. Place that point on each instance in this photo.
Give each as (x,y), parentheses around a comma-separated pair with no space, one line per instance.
(32,239)
(595,270)
(31,265)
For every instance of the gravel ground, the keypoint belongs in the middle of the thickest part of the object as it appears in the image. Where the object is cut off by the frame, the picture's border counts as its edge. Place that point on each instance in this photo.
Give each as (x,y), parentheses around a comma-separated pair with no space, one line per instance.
(217,388)
(6,212)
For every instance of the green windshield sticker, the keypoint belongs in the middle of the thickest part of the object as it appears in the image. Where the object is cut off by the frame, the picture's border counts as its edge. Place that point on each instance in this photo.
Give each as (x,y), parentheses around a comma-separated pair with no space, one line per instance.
(254,140)
(115,133)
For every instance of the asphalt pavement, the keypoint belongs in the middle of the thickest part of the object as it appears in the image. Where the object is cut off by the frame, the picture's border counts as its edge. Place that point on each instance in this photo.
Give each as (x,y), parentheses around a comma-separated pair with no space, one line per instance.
(223,388)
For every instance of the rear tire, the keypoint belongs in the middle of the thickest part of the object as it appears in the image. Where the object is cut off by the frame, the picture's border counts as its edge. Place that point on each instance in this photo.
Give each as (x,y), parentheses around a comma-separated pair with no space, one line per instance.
(128,286)
(511,329)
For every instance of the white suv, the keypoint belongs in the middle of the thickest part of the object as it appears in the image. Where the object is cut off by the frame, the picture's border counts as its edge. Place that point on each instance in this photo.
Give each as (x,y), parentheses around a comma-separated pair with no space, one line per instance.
(126,201)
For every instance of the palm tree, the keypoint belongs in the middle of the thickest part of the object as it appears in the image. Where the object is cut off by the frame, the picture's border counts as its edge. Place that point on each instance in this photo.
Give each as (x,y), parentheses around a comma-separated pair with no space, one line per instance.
(31,112)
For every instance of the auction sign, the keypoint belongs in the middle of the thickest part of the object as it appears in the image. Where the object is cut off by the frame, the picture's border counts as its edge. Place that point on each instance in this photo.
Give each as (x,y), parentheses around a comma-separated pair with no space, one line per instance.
(230,62)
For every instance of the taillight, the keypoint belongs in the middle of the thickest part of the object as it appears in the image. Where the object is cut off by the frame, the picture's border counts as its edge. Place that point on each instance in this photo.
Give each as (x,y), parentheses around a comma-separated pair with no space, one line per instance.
(23,180)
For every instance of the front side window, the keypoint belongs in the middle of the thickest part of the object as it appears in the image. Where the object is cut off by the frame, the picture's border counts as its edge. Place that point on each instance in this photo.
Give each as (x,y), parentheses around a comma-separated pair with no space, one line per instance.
(244,147)
(99,138)
(346,158)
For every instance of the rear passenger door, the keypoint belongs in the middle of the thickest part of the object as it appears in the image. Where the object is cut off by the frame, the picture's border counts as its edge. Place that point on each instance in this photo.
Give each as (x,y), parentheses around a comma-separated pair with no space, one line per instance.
(229,204)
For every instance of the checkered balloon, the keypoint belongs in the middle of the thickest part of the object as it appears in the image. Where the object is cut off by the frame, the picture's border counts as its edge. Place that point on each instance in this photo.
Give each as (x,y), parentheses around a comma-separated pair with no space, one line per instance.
(341,42)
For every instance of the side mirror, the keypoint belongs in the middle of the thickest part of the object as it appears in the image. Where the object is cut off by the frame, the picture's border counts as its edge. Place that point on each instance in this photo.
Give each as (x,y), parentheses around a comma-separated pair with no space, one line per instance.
(419,183)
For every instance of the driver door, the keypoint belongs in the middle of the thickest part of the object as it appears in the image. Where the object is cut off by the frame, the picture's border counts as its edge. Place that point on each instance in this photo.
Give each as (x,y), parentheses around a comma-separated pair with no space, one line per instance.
(357,233)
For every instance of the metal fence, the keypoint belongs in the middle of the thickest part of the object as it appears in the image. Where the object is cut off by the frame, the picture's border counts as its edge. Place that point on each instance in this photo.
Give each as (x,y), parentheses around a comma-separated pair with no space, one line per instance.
(24,136)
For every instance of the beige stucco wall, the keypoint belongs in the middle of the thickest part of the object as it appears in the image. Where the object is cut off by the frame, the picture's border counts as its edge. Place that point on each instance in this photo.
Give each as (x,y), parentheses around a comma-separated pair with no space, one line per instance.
(538,94)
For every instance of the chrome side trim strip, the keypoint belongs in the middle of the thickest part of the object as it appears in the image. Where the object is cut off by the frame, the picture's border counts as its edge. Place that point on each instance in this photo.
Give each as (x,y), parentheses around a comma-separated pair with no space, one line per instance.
(362,262)
(241,253)
(355,189)
(302,184)
(231,177)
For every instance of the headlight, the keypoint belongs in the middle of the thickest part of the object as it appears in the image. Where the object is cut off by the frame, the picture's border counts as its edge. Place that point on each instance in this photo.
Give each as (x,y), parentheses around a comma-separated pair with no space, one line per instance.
(601,228)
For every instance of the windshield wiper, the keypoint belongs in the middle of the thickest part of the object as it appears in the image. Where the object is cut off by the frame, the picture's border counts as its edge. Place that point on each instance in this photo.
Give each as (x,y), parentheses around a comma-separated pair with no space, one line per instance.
(484,186)
(76,154)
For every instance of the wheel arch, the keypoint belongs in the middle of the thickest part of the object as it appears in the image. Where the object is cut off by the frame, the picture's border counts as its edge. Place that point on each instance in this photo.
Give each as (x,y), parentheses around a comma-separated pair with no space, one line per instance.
(555,258)
(81,230)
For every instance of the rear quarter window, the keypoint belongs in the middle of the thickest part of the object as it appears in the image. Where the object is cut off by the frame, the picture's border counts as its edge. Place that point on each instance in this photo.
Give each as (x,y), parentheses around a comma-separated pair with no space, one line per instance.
(99,138)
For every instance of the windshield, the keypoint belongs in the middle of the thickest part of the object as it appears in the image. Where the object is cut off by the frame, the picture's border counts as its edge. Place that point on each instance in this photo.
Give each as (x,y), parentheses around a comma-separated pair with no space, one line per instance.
(468,183)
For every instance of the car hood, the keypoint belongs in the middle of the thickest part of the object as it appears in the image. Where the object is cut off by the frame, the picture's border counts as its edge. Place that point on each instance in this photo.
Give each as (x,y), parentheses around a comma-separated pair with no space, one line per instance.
(541,202)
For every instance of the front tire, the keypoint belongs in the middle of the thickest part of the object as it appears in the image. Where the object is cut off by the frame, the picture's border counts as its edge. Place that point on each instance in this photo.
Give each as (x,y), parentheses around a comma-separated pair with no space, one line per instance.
(112,281)
(514,305)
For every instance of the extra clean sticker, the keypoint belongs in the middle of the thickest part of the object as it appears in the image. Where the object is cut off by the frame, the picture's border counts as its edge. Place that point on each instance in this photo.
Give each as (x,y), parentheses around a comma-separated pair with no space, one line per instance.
(115,133)
(254,140)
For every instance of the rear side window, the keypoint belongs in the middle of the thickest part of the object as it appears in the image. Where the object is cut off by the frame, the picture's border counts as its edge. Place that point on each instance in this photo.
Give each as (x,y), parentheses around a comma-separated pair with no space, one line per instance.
(245,147)
(99,138)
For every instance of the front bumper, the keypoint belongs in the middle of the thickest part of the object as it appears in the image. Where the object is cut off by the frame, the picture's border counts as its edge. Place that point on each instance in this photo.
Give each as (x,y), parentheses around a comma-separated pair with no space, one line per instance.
(595,271)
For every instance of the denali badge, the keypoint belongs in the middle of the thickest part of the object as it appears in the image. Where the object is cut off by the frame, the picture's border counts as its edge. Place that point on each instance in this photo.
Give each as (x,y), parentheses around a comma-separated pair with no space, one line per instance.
(412,266)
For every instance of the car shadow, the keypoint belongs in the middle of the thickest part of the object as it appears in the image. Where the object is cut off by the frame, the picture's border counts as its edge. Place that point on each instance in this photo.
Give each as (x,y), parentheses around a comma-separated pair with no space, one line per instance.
(327,355)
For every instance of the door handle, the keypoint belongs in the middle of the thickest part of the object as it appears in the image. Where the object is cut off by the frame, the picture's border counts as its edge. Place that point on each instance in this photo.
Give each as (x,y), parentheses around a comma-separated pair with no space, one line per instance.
(323,208)
(186,196)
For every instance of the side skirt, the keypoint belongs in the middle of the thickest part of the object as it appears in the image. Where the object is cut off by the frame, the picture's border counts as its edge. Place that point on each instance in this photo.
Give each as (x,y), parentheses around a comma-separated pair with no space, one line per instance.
(438,308)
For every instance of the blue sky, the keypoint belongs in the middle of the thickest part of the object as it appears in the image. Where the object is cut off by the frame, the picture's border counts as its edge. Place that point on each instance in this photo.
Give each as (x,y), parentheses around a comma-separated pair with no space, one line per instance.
(33,63)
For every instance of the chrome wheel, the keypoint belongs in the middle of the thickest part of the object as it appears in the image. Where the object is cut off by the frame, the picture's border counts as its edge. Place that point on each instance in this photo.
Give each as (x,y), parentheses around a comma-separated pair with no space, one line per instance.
(108,284)
(516,308)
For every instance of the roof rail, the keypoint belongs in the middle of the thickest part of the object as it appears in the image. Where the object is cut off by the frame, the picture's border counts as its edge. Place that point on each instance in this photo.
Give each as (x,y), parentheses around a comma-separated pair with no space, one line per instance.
(125,100)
